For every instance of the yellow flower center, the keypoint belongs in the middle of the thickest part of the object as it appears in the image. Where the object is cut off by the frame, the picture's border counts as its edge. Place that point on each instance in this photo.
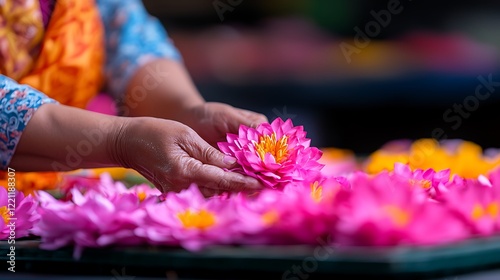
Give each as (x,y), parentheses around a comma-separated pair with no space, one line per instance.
(141,196)
(398,216)
(426,184)
(269,144)
(197,219)
(316,191)
(270,217)
(478,211)
(5,214)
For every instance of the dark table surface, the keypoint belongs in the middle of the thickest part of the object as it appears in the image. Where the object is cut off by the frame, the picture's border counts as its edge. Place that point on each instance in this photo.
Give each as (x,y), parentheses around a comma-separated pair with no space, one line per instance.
(459,260)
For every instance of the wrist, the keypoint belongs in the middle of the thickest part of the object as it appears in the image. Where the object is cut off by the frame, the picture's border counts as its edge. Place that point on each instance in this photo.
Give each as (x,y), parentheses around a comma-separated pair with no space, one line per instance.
(188,115)
(118,141)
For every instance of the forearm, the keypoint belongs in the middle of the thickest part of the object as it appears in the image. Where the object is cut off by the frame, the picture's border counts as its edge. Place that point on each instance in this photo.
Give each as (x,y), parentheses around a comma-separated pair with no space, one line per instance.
(59,138)
(163,89)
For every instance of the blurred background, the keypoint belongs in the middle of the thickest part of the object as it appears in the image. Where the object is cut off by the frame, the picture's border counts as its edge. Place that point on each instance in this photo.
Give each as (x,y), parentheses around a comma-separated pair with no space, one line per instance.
(355,73)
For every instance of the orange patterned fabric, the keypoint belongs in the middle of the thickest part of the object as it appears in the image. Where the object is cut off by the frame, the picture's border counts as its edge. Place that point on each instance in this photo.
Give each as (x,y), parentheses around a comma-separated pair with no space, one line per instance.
(21,31)
(69,67)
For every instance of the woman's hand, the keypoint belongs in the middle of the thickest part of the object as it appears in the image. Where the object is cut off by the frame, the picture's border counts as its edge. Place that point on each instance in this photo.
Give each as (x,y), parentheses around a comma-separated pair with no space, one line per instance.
(212,121)
(172,156)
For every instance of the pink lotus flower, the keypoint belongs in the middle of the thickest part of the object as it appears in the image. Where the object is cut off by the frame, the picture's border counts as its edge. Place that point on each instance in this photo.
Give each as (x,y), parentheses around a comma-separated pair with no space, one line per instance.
(145,193)
(300,214)
(435,183)
(276,153)
(387,210)
(105,185)
(189,220)
(81,183)
(312,213)
(18,214)
(494,177)
(477,203)
(263,217)
(107,214)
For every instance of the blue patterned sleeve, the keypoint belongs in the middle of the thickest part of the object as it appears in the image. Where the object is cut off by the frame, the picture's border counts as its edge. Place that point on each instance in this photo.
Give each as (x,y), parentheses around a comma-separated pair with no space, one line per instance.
(18,103)
(133,37)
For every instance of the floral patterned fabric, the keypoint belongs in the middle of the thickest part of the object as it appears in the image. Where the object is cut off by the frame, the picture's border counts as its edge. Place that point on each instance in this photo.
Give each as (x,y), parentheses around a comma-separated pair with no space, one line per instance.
(69,67)
(17,105)
(133,38)
(21,31)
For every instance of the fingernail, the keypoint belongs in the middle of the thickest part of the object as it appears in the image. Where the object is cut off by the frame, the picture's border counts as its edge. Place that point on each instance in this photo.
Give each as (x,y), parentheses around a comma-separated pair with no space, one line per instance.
(229,160)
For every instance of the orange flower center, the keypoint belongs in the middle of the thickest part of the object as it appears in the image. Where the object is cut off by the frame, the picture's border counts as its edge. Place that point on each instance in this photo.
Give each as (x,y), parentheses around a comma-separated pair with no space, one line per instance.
(316,191)
(197,219)
(270,217)
(479,211)
(4,212)
(398,216)
(426,184)
(269,144)
(141,195)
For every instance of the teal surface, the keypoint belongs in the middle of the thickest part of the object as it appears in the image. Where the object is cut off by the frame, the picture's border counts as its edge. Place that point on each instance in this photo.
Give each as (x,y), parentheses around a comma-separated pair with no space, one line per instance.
(284,262)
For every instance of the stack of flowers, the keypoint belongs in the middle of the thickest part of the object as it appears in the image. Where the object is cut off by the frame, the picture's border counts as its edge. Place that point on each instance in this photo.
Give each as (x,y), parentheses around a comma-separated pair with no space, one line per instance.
(400,205)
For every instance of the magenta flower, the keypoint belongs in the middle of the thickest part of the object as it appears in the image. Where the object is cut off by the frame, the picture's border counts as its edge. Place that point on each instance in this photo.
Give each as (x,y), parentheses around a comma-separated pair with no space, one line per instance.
(18,214)
(311,212)
(276,153)
(263,217)
(494,176)
(101,216)
(145,193)
(300,214)
(435,183)
(387,210)
(338,167)
(477,202)
(103,184)
(189,220)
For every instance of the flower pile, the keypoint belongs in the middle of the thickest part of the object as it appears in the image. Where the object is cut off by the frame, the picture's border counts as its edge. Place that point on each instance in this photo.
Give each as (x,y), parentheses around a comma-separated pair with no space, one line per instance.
(302,204)
(400,207)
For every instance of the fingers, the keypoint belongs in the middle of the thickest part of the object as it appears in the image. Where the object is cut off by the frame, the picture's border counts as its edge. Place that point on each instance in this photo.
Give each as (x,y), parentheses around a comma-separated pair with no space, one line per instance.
(218,180)
(197,148)
(207,192)
(205,169)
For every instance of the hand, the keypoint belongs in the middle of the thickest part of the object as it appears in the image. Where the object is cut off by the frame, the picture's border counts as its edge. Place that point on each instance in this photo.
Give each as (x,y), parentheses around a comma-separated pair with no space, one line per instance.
(172,156)
(212,121)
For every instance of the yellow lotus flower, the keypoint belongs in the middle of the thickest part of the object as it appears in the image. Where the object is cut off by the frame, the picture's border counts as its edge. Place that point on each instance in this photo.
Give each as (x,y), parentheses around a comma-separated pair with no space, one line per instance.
(466,159)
